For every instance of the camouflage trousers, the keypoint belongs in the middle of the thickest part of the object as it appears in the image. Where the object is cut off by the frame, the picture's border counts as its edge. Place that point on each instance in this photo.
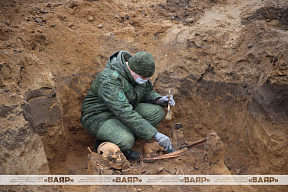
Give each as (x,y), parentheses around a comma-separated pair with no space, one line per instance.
(114,131)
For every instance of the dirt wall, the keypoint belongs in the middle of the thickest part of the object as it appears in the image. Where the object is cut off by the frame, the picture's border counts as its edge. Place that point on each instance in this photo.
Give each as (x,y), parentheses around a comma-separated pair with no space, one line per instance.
(225,62)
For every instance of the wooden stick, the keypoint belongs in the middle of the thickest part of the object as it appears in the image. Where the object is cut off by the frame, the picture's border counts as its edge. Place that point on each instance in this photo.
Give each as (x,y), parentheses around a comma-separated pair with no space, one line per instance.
(166,156)
(195,143)
(176,153)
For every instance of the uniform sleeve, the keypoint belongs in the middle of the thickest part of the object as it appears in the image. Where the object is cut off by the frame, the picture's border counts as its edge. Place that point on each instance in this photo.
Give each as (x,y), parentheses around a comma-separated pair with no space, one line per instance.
(150,95)
(114,98)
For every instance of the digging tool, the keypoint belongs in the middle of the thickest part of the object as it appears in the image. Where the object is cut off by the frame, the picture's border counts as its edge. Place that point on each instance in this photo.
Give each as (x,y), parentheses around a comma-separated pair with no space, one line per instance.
(169,112)
(177,135)
(178,138)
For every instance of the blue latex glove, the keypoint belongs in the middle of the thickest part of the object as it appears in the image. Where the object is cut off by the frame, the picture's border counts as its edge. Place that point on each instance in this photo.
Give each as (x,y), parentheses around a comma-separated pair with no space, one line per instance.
(164,100)
(164,142)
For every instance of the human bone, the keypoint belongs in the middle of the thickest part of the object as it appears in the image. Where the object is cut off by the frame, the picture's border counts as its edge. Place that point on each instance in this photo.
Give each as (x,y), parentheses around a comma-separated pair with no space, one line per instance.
(113,155)
(152,149)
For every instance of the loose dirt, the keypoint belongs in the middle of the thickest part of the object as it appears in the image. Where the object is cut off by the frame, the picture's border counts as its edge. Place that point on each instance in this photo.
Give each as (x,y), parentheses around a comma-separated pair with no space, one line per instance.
(226,62)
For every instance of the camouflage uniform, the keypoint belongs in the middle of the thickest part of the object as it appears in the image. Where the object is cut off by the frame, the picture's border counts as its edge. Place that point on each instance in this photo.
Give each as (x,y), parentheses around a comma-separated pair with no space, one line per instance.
(117,109)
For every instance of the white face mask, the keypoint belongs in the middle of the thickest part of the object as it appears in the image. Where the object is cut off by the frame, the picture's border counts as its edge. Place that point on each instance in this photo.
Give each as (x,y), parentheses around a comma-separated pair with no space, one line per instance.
(141,81)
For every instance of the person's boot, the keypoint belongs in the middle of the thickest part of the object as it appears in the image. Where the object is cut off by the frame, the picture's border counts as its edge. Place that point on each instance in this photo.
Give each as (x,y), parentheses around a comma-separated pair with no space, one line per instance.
(98,142)
(131,154)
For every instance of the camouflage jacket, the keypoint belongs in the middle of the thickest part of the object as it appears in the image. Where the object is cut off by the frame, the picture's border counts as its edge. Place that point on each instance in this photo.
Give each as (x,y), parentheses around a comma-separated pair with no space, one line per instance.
(114,93)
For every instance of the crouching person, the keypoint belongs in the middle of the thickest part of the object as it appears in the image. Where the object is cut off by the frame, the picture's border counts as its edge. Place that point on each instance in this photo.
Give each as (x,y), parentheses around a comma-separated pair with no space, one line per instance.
(121,104)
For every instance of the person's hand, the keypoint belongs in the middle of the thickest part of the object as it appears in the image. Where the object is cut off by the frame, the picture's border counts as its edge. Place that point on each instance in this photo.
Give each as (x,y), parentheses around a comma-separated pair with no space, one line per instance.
(164,142)
(164,100)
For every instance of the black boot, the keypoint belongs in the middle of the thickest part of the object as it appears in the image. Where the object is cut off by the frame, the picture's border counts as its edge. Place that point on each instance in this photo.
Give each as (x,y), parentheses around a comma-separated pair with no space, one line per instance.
(131,154)
(98,142)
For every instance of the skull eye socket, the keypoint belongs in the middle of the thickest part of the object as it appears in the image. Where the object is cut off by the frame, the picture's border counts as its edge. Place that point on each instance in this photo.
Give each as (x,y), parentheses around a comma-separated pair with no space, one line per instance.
(110,156)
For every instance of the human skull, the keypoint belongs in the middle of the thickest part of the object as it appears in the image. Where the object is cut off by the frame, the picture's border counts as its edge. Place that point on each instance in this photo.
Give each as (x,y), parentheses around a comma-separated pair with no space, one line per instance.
(113,155)
(152,149)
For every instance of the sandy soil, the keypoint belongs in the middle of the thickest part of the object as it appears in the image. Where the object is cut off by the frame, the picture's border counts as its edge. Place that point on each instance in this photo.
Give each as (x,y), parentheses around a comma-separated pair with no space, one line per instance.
(225,62)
